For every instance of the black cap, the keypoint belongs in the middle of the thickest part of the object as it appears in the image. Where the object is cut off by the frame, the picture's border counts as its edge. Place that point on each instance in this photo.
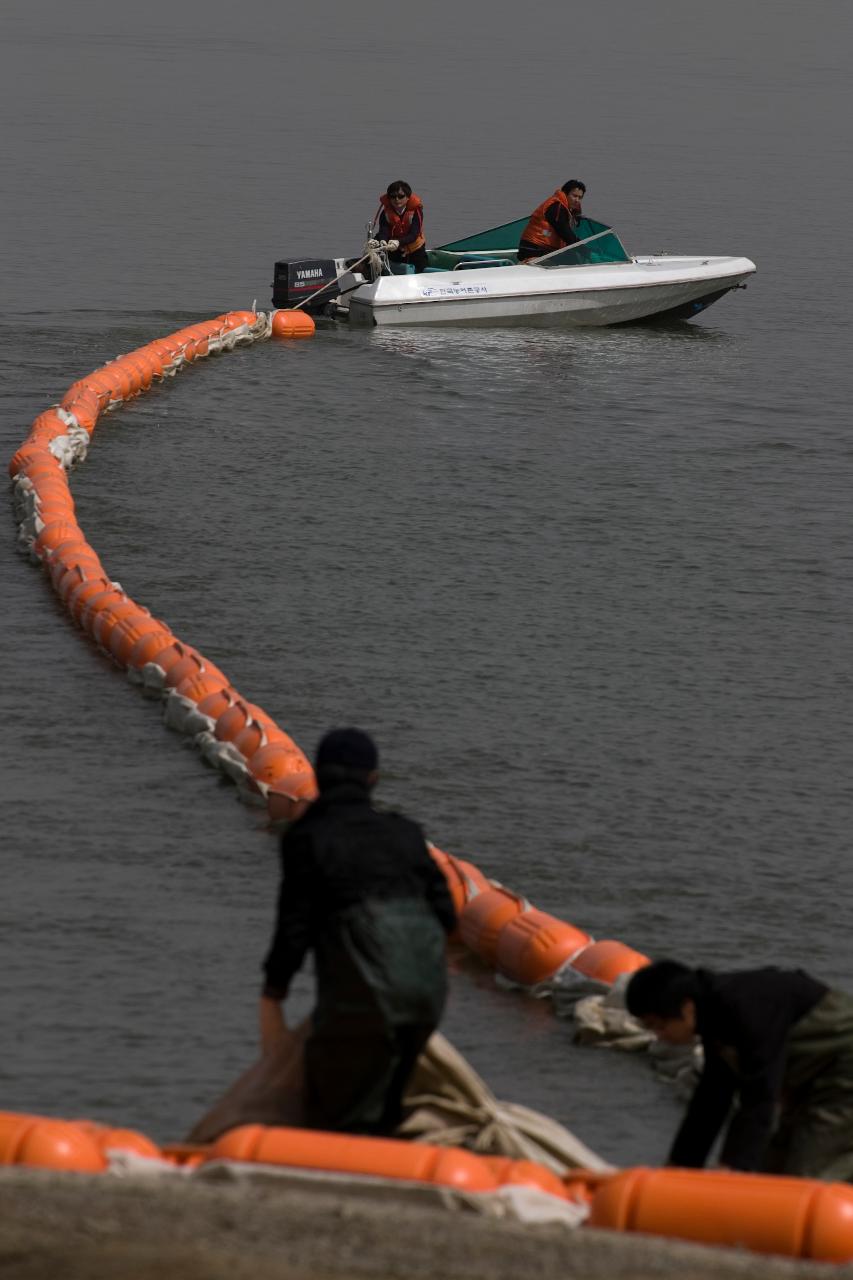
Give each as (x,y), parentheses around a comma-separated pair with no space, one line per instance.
(348,749)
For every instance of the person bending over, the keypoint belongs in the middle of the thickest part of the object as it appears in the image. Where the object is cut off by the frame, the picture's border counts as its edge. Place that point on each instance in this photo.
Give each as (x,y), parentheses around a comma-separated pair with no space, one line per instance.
(399,221)
(778,1046)
(360,890)
(552,224)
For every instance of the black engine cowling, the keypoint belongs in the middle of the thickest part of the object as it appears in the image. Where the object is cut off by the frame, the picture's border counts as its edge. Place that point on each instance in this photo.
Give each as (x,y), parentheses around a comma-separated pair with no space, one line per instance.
(297,279)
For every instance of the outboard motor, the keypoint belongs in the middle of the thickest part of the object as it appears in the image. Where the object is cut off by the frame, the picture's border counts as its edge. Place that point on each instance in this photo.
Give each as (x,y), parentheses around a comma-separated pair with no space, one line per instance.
(297,279)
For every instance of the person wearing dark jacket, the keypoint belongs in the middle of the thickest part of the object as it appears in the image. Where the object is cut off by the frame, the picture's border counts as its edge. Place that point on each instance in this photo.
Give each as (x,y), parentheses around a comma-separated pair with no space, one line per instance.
(360,890)
(778,1047)
(552,223)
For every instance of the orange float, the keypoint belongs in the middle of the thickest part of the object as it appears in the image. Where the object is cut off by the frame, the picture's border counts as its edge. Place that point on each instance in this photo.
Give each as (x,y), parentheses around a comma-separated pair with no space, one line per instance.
(119,380)
(78,559)
(27,456)
(49,483)
(534,945)
(190,663)
(54,503)
(71,578)
(127,633)
(215,703)
(292,324)
(42,469)
(80,1146)
(110,1139)
(109,616)
(56,533)
(484,918)
(84,402)
(193,663)
(238,319)
(477,881)
(276,760)
(77,598)
(152,360)
(370,1157)
(198,687)
(72,551)
(47,505)
(92,607)
(149,646)
(102,384)
(456,882)
(233,720)
(605,961)
(66,577)
(86,406)
(46,427)
(169,654)
(142,370)
(288,797)
(42,1143)
(73,555)
(797,1217)
(259,731)
(167,350)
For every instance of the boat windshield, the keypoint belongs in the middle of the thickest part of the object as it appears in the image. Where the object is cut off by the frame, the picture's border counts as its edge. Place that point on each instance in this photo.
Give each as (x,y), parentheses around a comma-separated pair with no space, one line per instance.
(597,243)
(503,239)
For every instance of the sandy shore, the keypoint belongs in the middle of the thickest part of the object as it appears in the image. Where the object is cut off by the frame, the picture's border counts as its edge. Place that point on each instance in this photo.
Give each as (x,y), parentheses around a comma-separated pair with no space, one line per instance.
(70,1227)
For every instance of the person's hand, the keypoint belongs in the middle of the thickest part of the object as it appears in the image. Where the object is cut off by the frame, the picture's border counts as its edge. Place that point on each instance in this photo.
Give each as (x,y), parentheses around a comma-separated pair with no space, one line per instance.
(391,245)
(274,1030)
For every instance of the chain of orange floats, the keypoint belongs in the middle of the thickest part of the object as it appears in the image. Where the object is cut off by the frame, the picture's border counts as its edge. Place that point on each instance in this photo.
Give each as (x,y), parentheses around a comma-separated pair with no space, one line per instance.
(526,946)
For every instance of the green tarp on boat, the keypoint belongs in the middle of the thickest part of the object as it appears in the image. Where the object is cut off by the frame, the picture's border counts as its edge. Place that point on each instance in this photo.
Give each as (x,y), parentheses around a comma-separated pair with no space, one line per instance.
(597,243)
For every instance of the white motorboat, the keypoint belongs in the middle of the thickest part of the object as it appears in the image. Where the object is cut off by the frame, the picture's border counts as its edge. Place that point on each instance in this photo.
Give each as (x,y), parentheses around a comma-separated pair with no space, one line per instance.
(479,280)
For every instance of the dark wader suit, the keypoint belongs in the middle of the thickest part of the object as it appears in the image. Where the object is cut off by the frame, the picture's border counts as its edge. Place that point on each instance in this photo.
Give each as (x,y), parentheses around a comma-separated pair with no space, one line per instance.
(779,1049)
(360,889)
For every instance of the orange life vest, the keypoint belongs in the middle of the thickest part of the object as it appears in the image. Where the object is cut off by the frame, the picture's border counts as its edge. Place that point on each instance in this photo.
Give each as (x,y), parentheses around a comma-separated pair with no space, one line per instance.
(539,230)
(401,224)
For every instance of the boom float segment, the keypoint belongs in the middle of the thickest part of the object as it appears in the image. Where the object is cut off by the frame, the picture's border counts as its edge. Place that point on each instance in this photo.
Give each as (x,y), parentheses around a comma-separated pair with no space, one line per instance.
(793,1217)
(267,765)
(79,1146)
(525,945)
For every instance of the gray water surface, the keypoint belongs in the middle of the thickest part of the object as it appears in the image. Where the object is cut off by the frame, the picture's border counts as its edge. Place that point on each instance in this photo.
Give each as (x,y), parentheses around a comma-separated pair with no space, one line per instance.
(590,590)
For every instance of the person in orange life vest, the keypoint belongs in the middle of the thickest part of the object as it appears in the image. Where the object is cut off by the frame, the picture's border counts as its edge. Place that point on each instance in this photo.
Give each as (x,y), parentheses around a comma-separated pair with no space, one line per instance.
(552,224)
(399,222)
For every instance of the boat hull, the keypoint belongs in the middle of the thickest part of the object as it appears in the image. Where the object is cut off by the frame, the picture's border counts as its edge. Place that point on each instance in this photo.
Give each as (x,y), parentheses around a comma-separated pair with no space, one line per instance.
(608,294)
